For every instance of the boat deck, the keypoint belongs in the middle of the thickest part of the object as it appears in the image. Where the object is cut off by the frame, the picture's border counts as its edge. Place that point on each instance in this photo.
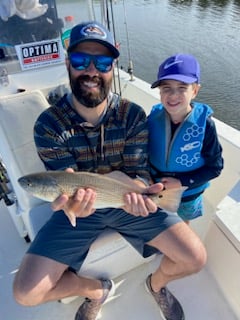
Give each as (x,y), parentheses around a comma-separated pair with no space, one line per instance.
(206,295)
(198,294)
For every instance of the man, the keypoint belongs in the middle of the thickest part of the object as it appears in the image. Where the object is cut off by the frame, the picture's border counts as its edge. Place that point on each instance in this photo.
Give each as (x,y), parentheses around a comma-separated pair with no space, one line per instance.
(94,130)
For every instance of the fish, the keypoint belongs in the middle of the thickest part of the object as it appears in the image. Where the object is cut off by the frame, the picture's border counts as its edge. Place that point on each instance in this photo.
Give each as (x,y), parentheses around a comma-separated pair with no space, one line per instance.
(110,188)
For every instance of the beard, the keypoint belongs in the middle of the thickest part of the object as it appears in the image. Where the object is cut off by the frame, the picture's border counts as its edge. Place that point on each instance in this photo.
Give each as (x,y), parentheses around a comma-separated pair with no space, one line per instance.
(86,98)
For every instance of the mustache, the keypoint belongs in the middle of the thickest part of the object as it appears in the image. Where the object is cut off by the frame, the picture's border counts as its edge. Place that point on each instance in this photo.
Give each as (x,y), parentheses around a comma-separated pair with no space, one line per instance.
(96,79)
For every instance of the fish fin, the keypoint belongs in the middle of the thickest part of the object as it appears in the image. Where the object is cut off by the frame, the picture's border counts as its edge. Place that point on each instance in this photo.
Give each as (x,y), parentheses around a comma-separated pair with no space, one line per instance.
(124,178)
(171,198)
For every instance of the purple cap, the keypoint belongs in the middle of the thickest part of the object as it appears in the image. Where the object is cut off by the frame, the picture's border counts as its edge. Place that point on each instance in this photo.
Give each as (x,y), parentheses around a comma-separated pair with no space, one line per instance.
(92,31)
(180,67)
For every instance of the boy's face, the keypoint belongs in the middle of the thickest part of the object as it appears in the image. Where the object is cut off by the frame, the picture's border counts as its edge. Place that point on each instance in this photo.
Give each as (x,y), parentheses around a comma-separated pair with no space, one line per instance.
(176,97)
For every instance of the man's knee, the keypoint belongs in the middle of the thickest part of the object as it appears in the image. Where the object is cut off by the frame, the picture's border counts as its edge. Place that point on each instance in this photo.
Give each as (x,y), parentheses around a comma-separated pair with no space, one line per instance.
(20,294)
(182,246)
(198,257)
(24,294)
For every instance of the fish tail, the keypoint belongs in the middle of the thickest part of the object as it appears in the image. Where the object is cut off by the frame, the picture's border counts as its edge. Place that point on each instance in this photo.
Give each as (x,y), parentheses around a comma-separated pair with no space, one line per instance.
(169,199)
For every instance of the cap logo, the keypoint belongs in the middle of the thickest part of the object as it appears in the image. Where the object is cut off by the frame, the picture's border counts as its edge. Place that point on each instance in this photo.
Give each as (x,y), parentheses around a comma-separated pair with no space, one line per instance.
(168,65)
(92,30)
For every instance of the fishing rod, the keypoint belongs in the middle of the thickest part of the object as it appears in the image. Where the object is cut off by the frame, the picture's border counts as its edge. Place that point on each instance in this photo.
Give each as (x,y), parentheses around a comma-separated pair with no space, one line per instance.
(130,62)
(108,16)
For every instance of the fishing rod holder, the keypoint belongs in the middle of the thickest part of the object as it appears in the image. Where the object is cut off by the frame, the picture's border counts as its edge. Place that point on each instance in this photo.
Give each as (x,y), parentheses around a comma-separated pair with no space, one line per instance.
(130,70)
(4,188)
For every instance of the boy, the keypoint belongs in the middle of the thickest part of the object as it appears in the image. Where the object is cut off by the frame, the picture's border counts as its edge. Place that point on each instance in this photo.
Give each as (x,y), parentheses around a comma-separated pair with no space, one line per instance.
(184,147)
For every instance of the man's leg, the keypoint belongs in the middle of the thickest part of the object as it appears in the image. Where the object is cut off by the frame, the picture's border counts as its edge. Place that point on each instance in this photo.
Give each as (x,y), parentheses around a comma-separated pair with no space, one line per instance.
(184,254)
(41,279)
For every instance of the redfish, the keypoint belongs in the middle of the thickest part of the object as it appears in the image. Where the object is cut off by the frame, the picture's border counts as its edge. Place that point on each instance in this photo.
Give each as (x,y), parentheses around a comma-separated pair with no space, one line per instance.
(110,188)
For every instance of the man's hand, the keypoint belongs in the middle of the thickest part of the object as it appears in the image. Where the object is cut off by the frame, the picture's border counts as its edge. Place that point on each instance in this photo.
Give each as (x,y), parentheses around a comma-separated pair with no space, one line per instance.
(142,205)
(79,205)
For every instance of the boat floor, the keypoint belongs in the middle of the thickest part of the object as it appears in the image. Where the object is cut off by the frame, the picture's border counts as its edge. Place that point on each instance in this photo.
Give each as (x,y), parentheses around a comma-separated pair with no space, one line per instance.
(198,294)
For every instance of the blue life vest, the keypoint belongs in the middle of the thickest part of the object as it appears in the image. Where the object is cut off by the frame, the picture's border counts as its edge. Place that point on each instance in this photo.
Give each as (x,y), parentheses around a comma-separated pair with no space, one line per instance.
(182,152)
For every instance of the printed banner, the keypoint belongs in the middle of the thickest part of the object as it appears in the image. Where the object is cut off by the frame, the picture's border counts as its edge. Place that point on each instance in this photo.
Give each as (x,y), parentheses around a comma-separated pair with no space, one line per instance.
(40,54)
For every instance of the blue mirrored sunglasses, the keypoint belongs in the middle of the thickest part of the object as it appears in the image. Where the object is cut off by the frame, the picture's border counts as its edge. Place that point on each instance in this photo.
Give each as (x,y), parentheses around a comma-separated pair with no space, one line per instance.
(81,61)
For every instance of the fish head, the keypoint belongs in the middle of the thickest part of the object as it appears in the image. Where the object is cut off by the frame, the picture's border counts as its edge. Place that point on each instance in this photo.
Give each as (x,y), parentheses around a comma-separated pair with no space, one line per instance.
(40,185)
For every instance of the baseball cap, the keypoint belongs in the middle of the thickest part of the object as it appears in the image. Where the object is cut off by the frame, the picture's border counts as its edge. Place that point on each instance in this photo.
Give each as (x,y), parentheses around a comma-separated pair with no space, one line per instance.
(180,67)
(92,31)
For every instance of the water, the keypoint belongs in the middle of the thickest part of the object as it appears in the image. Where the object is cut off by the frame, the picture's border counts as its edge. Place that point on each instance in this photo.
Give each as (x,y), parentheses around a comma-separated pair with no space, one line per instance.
(156,29)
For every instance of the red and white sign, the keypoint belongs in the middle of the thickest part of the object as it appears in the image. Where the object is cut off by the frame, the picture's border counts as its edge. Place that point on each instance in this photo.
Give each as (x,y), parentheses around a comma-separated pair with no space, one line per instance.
(40,54)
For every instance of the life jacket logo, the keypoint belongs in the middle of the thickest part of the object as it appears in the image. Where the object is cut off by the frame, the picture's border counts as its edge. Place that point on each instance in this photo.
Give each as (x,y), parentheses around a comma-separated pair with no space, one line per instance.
(190,146)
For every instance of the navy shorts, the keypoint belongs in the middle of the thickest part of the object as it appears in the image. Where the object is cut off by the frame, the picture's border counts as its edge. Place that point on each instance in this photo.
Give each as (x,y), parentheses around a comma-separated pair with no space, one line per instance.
(60,241)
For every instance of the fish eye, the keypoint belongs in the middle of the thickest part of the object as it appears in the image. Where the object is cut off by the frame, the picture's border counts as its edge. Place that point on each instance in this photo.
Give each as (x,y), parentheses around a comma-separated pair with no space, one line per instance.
(160,196)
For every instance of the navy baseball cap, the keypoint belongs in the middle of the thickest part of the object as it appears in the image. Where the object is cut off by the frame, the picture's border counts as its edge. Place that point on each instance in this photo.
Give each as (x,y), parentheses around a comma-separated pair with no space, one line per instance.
(180,67)
(92,31)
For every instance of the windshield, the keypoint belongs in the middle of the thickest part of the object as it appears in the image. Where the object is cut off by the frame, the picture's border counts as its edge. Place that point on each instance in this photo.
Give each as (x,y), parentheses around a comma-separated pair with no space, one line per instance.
(33,23)
(32,31)
(26,22)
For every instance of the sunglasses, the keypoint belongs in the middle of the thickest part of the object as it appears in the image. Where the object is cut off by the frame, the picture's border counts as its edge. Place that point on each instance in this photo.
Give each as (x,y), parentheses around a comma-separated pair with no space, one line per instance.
(81,61)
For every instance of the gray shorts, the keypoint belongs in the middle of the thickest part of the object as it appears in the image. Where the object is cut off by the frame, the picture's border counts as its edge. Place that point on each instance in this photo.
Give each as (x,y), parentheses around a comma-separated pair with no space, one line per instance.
(59,241)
